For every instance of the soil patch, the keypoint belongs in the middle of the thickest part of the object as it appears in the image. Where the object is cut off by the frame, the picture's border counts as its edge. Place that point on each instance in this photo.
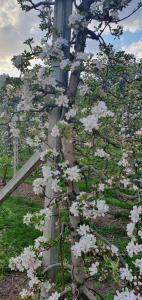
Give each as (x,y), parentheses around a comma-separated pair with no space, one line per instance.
(11,286)
(26,190)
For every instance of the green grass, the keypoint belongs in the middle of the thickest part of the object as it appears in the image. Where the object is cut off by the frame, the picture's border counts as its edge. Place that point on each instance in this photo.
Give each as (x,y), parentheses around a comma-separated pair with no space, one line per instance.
(14,235)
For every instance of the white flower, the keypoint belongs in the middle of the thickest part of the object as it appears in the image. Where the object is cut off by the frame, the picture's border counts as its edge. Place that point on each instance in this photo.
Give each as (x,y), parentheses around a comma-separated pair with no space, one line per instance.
(125,295)
(62,100)
(39,241)
(75,66)
(27,218)
(94,268)
(133,248)
(82,55)
(75,19)
(140,233)
(59,42)
(90,123)
(73,173)
(25,293)
(71,113)
(47,172)
(38,186)
(55,131)
(74,209)
(29,142)
(96,6)
(114,250)
(86,243)
(33,281)
(83,89)
(101,187)
(55,185)
(135,213)
(138,264)
(125,182)
(130,229)
(64,63)
(102,207)
(54,296)
(101,153)
(100,110)
(83,229)
(126,273)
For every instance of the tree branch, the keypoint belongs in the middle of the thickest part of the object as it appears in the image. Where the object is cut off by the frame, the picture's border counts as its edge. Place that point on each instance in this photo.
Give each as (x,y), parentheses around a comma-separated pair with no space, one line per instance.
(57,265)
(106,138)
(35,6)
(135,10)
(84,290)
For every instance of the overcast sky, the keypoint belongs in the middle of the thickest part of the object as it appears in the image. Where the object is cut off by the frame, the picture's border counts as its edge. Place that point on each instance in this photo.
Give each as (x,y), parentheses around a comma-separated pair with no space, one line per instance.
(17,26)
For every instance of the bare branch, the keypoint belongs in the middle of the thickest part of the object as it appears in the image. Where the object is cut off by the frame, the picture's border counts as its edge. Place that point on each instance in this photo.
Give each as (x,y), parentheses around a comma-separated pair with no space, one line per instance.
(135,10)
(106,138)
(35,6)
(90,296)
(57,265)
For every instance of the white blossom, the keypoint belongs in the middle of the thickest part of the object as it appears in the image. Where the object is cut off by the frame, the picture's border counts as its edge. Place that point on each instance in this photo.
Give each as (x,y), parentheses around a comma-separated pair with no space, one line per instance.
(94,268)
(75,66)
(125,182)
(62,100)
(25,293)
(130,229)
(55,131)
(135,213)
(138,264)
(54,296)
(114,250)
(90,123)
(83,229)
(74,209)
(86,243)
(126,273)
(64,63)
(125,295)
(27,218)
(75,19)
(38,186)
(83,89)
(73,173)
(133,248)
(102,208)
(101,153)
(71,113)
(47,172)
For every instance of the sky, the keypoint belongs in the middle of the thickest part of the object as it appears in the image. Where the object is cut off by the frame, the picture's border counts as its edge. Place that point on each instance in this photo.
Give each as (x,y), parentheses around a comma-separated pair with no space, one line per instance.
(17,26)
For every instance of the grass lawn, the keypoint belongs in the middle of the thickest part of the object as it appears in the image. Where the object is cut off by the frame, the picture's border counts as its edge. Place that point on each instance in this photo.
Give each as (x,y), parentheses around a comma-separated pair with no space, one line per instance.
(14,235)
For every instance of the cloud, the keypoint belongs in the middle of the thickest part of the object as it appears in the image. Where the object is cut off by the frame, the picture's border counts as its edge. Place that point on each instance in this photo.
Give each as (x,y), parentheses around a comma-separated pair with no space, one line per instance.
(133,26)
(135,48)
(15,27)
(134,22)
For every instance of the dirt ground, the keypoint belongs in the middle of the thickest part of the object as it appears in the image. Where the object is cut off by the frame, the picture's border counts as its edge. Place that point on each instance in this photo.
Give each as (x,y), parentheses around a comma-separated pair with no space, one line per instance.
(26,190)
(12,285)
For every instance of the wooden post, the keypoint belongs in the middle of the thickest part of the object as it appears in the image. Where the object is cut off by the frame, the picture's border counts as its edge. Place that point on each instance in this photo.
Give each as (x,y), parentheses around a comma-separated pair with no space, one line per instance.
(15,155)
(63,8)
